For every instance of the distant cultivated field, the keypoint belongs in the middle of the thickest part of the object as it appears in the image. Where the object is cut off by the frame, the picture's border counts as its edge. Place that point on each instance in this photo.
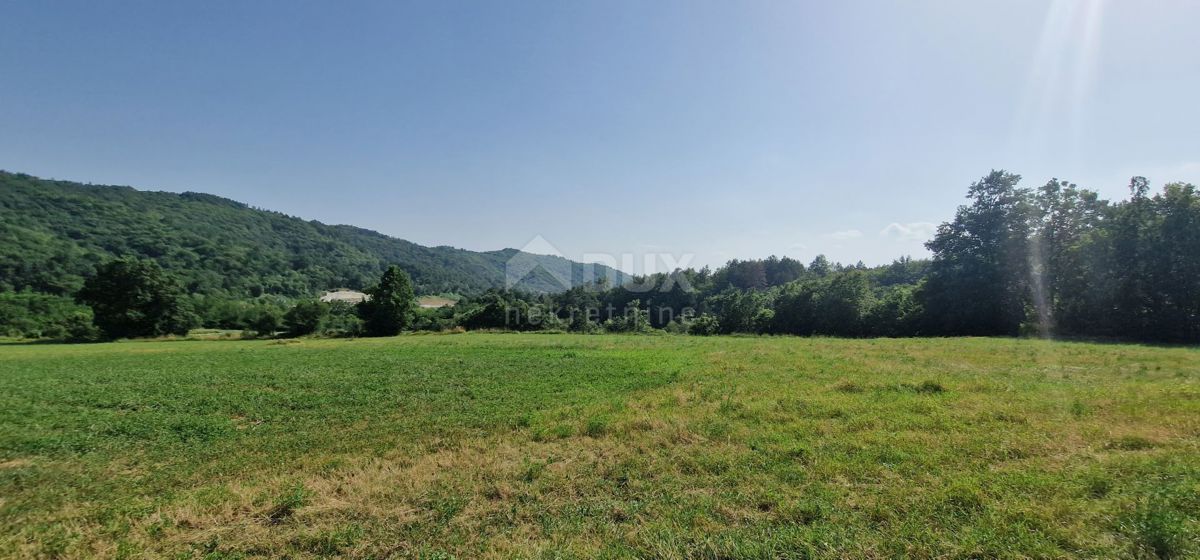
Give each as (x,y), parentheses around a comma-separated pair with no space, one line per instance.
(572,446)
(434,301)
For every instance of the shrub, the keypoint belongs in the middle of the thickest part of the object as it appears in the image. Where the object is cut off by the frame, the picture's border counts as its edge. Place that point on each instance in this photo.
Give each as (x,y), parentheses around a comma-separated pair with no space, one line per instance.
(30,315)
(286,504)
(675,327)
(847,386)
(704,325)
(305,317)
(596,427)
(929,387)
(341,320)
(1130,443)
(633,320)
(267,323)
(1157,529)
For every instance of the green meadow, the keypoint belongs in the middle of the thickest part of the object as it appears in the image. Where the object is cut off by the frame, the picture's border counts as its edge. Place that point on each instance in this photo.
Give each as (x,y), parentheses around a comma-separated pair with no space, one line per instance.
(574,446)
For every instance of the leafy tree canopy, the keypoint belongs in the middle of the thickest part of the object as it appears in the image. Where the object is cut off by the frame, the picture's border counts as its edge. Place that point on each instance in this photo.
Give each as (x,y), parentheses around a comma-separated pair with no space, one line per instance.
(134,298)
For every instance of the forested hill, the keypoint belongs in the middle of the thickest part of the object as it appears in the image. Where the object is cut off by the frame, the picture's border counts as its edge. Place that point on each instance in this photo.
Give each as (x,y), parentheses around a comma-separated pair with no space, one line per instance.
(52,234)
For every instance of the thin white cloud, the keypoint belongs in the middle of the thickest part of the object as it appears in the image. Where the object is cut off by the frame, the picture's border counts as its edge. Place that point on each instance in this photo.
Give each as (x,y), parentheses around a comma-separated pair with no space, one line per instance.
(912,231)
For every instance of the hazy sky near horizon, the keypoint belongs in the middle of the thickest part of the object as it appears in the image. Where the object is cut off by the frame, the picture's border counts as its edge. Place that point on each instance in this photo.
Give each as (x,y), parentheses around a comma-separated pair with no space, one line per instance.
(716,129)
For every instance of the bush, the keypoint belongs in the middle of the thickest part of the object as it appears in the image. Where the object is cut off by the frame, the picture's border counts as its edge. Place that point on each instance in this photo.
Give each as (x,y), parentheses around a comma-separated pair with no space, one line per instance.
(79,327)
(305,317)
(267,323)
(633,320)
(286,503)
(30,315)
(433,320)
(704,325)
(581,324)
(676,327)
(930,387)
(1157,529)
(341,320)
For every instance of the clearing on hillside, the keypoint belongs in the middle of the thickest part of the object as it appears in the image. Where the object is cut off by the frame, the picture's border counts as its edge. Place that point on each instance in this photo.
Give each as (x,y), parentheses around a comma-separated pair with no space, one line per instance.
(433,302)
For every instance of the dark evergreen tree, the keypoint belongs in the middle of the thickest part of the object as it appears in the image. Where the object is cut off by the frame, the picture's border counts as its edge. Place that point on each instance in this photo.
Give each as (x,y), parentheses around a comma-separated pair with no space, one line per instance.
(389,305)
(820,266)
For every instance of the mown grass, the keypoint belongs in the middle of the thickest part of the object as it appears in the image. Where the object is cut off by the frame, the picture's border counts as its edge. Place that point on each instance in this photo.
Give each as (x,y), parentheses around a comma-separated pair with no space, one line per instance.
(569,446)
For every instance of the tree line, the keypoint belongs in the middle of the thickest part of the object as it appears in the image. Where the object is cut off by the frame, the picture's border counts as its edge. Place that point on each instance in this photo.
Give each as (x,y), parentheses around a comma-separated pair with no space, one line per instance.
(136,298)
(1056,260)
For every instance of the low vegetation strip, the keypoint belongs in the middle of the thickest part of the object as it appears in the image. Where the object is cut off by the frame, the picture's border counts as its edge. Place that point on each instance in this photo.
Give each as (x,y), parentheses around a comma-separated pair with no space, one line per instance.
(545,445)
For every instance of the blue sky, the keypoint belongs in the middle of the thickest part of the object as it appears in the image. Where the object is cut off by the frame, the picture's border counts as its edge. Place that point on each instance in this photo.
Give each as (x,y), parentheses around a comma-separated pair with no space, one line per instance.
(712,129)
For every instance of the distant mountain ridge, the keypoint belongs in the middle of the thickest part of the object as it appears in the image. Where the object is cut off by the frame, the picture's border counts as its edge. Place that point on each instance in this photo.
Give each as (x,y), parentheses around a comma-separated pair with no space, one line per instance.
(52,233)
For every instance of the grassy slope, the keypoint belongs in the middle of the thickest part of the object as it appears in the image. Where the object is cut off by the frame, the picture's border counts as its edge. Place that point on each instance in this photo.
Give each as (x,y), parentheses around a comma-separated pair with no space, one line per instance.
(581,446)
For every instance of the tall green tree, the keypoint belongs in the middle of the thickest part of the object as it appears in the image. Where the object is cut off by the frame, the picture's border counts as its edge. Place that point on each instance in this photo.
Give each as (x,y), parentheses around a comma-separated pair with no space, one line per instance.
(796,308)
(843,303)
(389,306)
(780,271)
(1062,283)
(1131,232)
(895,313)
(820,266)
(979,278)
(741,311)
(1175,264)
(130,297)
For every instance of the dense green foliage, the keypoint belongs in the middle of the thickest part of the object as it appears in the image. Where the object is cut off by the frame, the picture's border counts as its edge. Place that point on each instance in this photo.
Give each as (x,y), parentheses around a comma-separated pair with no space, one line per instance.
(306,317)
(611,446)
(1056,260)
(1052,261)
(33,315)
(53,233)
(389,305)
(134,298)
(837,300)
(1061,261)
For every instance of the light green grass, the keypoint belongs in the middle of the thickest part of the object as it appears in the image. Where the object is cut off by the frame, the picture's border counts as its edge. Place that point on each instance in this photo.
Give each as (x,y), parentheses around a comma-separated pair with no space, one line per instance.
(570,446)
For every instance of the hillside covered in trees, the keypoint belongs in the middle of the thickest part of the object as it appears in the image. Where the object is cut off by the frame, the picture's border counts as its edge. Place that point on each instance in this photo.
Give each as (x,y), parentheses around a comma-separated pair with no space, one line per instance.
(54,233)
(1055,260)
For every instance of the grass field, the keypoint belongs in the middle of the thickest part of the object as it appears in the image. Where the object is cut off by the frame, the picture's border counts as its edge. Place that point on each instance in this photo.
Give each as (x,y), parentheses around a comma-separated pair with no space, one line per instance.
(572,446)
